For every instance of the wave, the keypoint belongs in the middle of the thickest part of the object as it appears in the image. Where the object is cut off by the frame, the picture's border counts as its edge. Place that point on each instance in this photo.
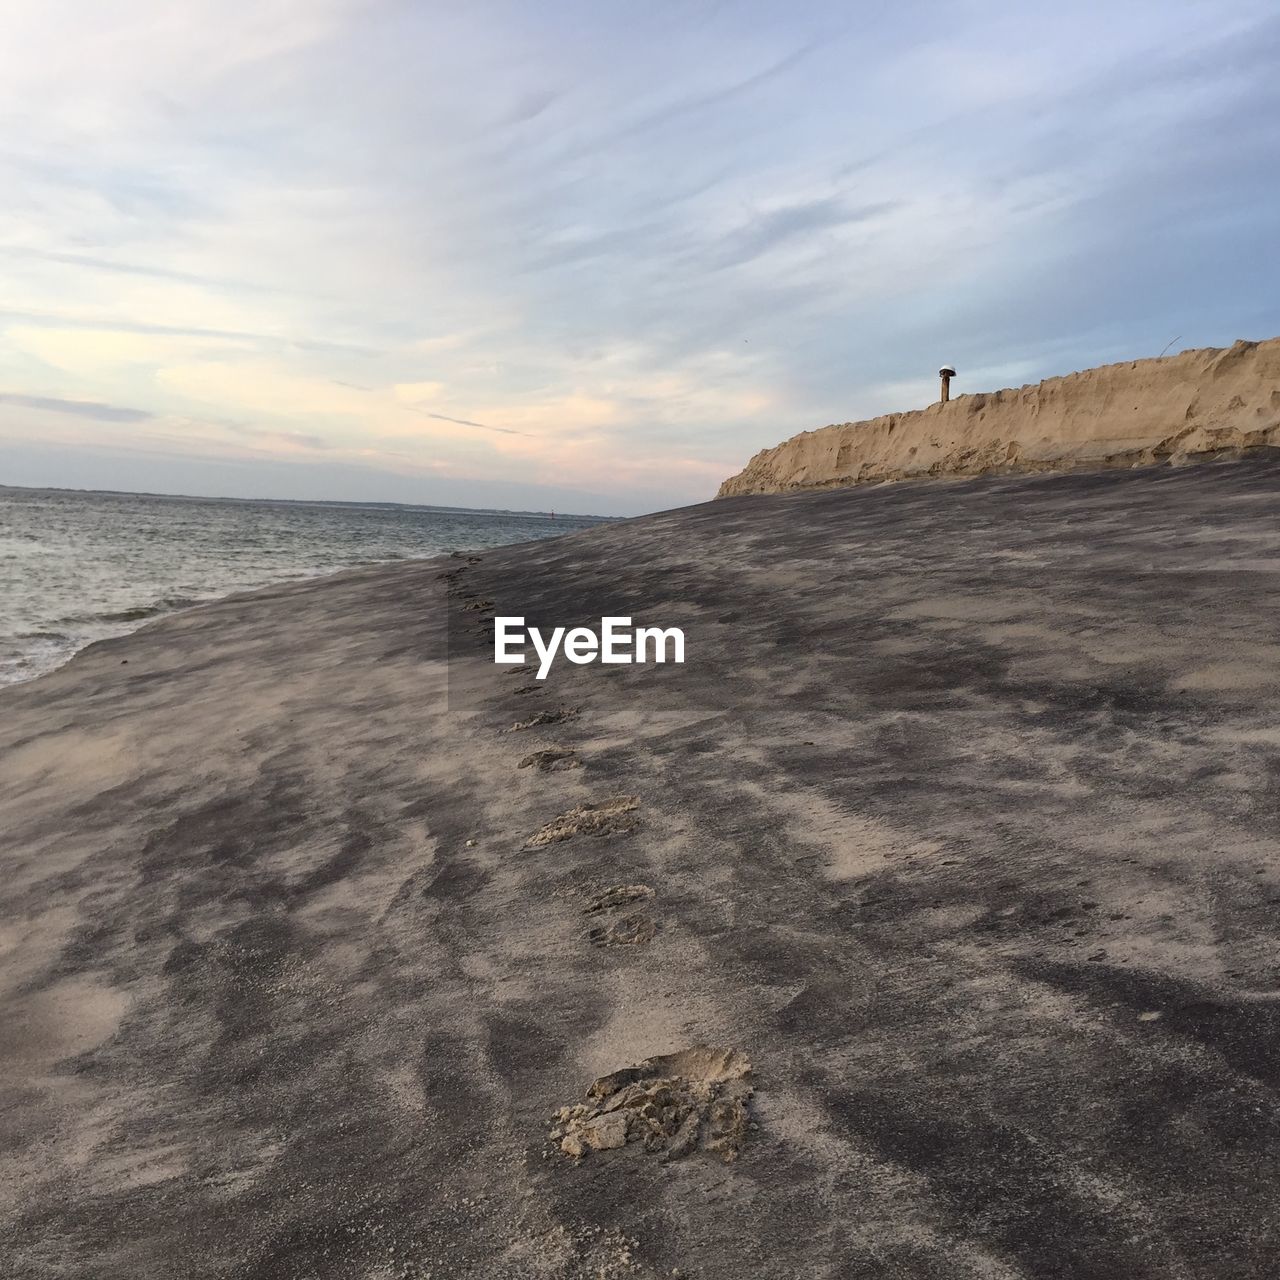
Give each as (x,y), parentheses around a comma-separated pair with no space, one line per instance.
(137,613)
(166,604)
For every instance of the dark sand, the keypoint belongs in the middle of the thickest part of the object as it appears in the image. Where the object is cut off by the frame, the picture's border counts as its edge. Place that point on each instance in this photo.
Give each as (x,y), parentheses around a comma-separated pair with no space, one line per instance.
(960,822)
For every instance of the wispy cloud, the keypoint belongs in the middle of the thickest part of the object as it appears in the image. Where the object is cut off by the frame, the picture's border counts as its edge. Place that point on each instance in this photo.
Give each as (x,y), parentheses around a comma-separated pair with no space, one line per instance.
(806,219)
(115,323)
(464,422)
(92,262)
(91,409)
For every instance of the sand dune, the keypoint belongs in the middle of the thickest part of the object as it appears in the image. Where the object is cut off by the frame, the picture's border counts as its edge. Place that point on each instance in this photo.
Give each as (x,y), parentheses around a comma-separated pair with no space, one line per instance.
(923,924)
(1195,404)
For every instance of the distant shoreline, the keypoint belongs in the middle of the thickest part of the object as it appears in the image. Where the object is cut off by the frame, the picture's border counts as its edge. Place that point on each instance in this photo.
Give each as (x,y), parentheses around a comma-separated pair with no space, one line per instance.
(311,502)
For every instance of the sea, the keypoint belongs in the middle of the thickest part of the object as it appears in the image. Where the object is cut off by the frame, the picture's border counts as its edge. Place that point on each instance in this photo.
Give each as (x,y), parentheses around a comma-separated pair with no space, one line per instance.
(77,567)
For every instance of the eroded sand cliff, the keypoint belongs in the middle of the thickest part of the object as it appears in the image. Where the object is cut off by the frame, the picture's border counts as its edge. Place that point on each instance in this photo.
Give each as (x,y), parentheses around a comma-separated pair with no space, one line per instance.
(1207,401)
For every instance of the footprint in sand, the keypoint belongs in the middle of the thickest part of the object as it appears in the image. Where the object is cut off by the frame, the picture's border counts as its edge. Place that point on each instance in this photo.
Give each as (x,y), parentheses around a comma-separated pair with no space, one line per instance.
(635,928)
(558,716)
(612,817)
(631,930)
(551,759)
(617,895)
(694,1100)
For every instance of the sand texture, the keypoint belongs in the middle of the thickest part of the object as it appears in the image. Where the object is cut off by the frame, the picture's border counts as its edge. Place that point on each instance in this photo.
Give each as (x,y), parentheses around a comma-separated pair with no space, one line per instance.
(1196,404)
(925,924)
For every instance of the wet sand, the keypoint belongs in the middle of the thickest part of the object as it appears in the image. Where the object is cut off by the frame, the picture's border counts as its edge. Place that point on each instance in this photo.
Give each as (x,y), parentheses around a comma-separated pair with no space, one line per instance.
(959,823)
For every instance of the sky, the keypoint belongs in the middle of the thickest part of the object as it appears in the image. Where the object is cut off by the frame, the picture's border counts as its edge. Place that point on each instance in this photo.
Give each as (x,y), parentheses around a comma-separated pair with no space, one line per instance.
(591,256)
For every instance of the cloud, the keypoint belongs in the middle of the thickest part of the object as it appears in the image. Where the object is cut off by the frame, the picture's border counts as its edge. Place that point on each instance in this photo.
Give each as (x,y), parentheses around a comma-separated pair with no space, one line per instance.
(77,408)
(261,387)
(718,96)
(791,222)
(465,422)
(95,263)
(93,352)
(530,106)
(115,324)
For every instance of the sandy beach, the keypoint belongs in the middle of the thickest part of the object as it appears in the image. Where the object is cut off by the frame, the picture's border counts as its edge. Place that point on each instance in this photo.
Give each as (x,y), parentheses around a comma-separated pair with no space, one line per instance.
(958,823)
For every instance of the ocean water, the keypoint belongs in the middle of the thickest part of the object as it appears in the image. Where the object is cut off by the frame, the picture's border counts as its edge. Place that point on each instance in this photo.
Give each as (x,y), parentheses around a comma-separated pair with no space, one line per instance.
(78,567)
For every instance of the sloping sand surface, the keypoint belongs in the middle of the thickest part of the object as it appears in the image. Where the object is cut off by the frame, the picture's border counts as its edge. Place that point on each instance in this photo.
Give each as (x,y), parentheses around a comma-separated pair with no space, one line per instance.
(1202,403)
(959,826)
